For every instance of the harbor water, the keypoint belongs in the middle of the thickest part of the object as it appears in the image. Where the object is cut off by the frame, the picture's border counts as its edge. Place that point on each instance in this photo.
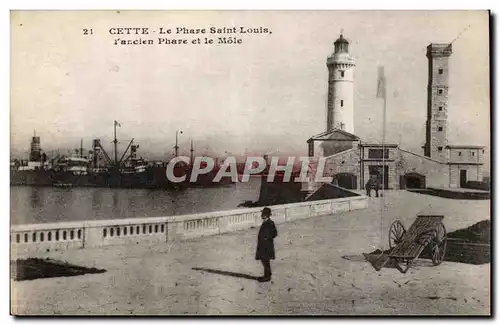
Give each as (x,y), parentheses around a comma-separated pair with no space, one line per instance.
(48,204)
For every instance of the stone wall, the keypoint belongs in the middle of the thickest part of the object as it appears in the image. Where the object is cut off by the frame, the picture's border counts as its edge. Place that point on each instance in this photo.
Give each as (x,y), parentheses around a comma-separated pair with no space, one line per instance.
(471,155)
(474,173)
(436,173)
(26,239)
(333,147)
(345,162)
(399,162)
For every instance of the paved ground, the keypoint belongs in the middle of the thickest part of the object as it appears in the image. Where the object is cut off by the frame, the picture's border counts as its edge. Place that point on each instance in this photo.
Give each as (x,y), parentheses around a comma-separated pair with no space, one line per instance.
(310,275)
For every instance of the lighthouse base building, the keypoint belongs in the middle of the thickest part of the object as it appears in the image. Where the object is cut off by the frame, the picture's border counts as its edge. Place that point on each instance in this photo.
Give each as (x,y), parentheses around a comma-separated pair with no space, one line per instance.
(352,162)
(352,168)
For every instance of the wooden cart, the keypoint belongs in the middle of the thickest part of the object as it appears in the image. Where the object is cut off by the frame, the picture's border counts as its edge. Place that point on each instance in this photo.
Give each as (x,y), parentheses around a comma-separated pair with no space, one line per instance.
(406,246)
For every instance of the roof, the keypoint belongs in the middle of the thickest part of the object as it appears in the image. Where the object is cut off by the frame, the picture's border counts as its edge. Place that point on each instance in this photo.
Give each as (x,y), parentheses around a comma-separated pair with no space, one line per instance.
(439,49)
(463,146)
(464,163)
(421,156)
(327,135)
(341,39)
(379,145)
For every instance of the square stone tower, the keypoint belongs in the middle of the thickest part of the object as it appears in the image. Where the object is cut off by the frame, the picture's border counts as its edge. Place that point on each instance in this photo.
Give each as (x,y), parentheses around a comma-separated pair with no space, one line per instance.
(437,101)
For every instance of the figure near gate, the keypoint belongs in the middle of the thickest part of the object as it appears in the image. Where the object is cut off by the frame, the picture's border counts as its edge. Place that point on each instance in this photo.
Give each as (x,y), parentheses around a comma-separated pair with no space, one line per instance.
(373,183)
(265,244)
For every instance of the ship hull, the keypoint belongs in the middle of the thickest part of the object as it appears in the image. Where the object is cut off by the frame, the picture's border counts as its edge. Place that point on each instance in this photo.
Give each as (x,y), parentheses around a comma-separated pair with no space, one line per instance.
(31,177)
(151,178)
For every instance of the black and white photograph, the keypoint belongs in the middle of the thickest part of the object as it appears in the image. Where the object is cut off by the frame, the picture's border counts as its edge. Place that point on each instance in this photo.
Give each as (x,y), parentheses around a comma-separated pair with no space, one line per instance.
(250,162)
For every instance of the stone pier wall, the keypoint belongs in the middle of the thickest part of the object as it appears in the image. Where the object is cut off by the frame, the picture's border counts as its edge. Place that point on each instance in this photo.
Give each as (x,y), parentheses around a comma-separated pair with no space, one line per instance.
(68,235)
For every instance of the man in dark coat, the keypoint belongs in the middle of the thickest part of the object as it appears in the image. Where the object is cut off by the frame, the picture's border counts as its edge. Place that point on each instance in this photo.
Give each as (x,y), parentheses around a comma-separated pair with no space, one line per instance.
(368,188)
(376,185)
(265,244)
(373,183)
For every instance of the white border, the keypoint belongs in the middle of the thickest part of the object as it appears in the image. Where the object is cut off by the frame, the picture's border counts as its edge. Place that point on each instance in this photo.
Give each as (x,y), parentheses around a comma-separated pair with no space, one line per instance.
(148,4)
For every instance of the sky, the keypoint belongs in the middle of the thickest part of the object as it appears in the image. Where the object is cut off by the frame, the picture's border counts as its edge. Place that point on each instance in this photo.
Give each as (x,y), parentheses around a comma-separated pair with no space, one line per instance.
(265,95)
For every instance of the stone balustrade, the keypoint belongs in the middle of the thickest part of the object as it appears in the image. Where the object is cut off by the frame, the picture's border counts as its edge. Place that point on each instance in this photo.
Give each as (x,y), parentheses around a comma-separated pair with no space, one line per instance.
(26,239)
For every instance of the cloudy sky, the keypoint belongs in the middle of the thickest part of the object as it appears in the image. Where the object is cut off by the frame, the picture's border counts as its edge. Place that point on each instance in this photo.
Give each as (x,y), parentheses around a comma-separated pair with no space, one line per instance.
(267,94)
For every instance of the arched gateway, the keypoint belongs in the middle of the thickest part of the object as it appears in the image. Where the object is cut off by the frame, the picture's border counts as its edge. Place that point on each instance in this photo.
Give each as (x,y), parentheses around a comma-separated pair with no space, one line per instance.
(412,180)
(346,180)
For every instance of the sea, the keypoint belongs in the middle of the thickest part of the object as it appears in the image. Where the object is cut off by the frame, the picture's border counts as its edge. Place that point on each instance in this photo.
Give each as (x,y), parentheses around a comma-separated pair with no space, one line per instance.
(33,205)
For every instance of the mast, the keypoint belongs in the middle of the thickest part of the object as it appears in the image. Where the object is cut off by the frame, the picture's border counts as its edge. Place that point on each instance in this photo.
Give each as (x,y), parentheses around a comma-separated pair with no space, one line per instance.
(81,148)
(177,142)
(192,153)
(115,141)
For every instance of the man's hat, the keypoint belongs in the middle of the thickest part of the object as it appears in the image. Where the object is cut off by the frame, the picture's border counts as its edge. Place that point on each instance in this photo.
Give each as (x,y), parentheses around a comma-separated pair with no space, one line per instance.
(266,211)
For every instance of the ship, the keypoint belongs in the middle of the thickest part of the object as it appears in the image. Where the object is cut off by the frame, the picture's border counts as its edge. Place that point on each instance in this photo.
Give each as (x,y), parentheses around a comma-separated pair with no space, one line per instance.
(97,169)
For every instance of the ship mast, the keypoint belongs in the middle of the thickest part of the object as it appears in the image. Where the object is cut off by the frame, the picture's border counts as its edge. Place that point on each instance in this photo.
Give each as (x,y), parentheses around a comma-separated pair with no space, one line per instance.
(192,153)
(115,141)
(177,142)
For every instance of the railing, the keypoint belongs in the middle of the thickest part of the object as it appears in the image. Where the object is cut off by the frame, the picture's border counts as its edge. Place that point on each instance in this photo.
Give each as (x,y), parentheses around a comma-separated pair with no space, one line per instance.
(26,239)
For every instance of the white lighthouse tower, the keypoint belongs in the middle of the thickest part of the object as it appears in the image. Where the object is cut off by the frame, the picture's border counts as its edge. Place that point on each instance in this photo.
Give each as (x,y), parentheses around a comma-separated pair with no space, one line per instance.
(340,87)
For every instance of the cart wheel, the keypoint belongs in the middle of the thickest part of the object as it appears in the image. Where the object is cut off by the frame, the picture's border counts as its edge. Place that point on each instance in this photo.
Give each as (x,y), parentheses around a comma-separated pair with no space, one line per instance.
(396,234)
(439,245)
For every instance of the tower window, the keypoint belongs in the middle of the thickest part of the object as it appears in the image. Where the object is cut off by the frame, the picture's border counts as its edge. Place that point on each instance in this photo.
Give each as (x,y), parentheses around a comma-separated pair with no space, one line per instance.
(342,74)
(483,150)
(440,91)
(472,153)
(440,128)
(440,108)
(341,103)
(460,153)
(440,71)
(440,148)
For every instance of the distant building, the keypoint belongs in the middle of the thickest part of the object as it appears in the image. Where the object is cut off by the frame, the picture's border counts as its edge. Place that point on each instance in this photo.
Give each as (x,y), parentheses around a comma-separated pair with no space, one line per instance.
(35,149)
(351,162)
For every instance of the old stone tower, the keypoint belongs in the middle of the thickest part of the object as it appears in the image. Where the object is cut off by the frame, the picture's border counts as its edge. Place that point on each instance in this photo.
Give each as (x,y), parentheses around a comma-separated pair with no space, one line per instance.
(340,109)
(351,162)
(437,101)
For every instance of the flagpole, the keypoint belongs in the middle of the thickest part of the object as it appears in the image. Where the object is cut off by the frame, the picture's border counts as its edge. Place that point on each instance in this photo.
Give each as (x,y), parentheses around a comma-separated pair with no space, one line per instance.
(384,138)
(383,158)
(382,92)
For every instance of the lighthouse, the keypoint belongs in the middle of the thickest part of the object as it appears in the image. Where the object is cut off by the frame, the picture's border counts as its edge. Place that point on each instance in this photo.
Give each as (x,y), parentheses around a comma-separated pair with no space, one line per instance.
(340,109)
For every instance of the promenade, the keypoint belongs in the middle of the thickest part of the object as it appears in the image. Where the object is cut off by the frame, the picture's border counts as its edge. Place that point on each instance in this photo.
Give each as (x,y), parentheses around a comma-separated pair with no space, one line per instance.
(310,275)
